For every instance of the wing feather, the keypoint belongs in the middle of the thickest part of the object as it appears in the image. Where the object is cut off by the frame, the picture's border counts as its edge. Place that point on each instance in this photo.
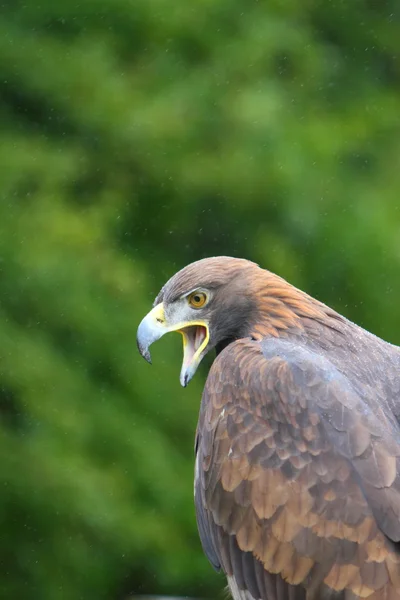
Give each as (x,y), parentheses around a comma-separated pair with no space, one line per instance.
(298,489)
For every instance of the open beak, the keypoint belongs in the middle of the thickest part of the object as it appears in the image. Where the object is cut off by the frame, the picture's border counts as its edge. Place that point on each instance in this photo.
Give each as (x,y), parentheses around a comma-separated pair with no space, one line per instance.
(195,339)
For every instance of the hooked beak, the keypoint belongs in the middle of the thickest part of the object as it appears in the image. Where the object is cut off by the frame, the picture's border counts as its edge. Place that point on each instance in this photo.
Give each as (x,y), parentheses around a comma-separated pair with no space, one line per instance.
(195,339)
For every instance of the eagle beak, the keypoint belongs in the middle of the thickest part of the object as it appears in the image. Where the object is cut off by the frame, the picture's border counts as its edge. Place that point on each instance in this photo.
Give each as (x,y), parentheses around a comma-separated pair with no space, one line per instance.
(195,339)
(151,328)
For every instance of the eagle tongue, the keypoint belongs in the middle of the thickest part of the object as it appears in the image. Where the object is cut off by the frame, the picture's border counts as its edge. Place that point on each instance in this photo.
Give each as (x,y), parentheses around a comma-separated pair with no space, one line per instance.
(199,337)
(194,338)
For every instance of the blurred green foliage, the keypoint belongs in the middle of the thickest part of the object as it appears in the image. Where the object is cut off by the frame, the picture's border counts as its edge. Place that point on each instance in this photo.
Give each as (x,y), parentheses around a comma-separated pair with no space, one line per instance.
(137,136)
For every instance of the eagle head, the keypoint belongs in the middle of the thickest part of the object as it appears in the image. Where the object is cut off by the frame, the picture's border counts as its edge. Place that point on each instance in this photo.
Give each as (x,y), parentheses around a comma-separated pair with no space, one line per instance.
(210,302)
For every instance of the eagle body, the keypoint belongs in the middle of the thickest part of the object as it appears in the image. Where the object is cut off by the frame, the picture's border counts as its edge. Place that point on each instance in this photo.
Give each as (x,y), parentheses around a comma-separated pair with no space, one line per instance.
(297,471)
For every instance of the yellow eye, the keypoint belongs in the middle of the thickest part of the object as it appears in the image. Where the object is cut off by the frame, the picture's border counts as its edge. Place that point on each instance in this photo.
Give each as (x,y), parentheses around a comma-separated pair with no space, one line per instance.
(197,299)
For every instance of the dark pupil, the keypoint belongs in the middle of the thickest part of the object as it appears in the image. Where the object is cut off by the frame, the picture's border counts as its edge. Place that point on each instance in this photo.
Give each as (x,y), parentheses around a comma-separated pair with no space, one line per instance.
(197,299)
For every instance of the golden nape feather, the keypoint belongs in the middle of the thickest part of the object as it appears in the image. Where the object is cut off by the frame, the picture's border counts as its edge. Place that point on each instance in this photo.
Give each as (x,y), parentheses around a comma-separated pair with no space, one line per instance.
(297,485)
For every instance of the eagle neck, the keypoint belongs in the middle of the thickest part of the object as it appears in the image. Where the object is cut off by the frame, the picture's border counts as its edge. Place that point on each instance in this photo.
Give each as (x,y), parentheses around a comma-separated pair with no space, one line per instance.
(282,309)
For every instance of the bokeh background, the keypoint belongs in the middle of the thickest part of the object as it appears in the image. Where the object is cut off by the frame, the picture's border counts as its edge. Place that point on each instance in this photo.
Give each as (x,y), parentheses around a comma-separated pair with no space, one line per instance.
(137,136)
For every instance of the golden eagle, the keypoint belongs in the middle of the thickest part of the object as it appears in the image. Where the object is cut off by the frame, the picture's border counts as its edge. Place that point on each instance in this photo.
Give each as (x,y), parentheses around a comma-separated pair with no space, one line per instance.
(297,474)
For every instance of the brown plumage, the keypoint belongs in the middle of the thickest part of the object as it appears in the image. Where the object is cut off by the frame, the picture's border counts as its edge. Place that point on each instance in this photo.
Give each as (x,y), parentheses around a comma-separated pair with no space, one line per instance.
(297,486)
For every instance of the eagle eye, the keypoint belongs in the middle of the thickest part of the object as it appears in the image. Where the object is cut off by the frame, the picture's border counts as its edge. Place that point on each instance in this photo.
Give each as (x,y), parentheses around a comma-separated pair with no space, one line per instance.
(197,299)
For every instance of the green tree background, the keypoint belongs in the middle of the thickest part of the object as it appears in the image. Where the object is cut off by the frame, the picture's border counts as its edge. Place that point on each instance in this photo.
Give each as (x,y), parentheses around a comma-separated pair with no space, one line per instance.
(137,136)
